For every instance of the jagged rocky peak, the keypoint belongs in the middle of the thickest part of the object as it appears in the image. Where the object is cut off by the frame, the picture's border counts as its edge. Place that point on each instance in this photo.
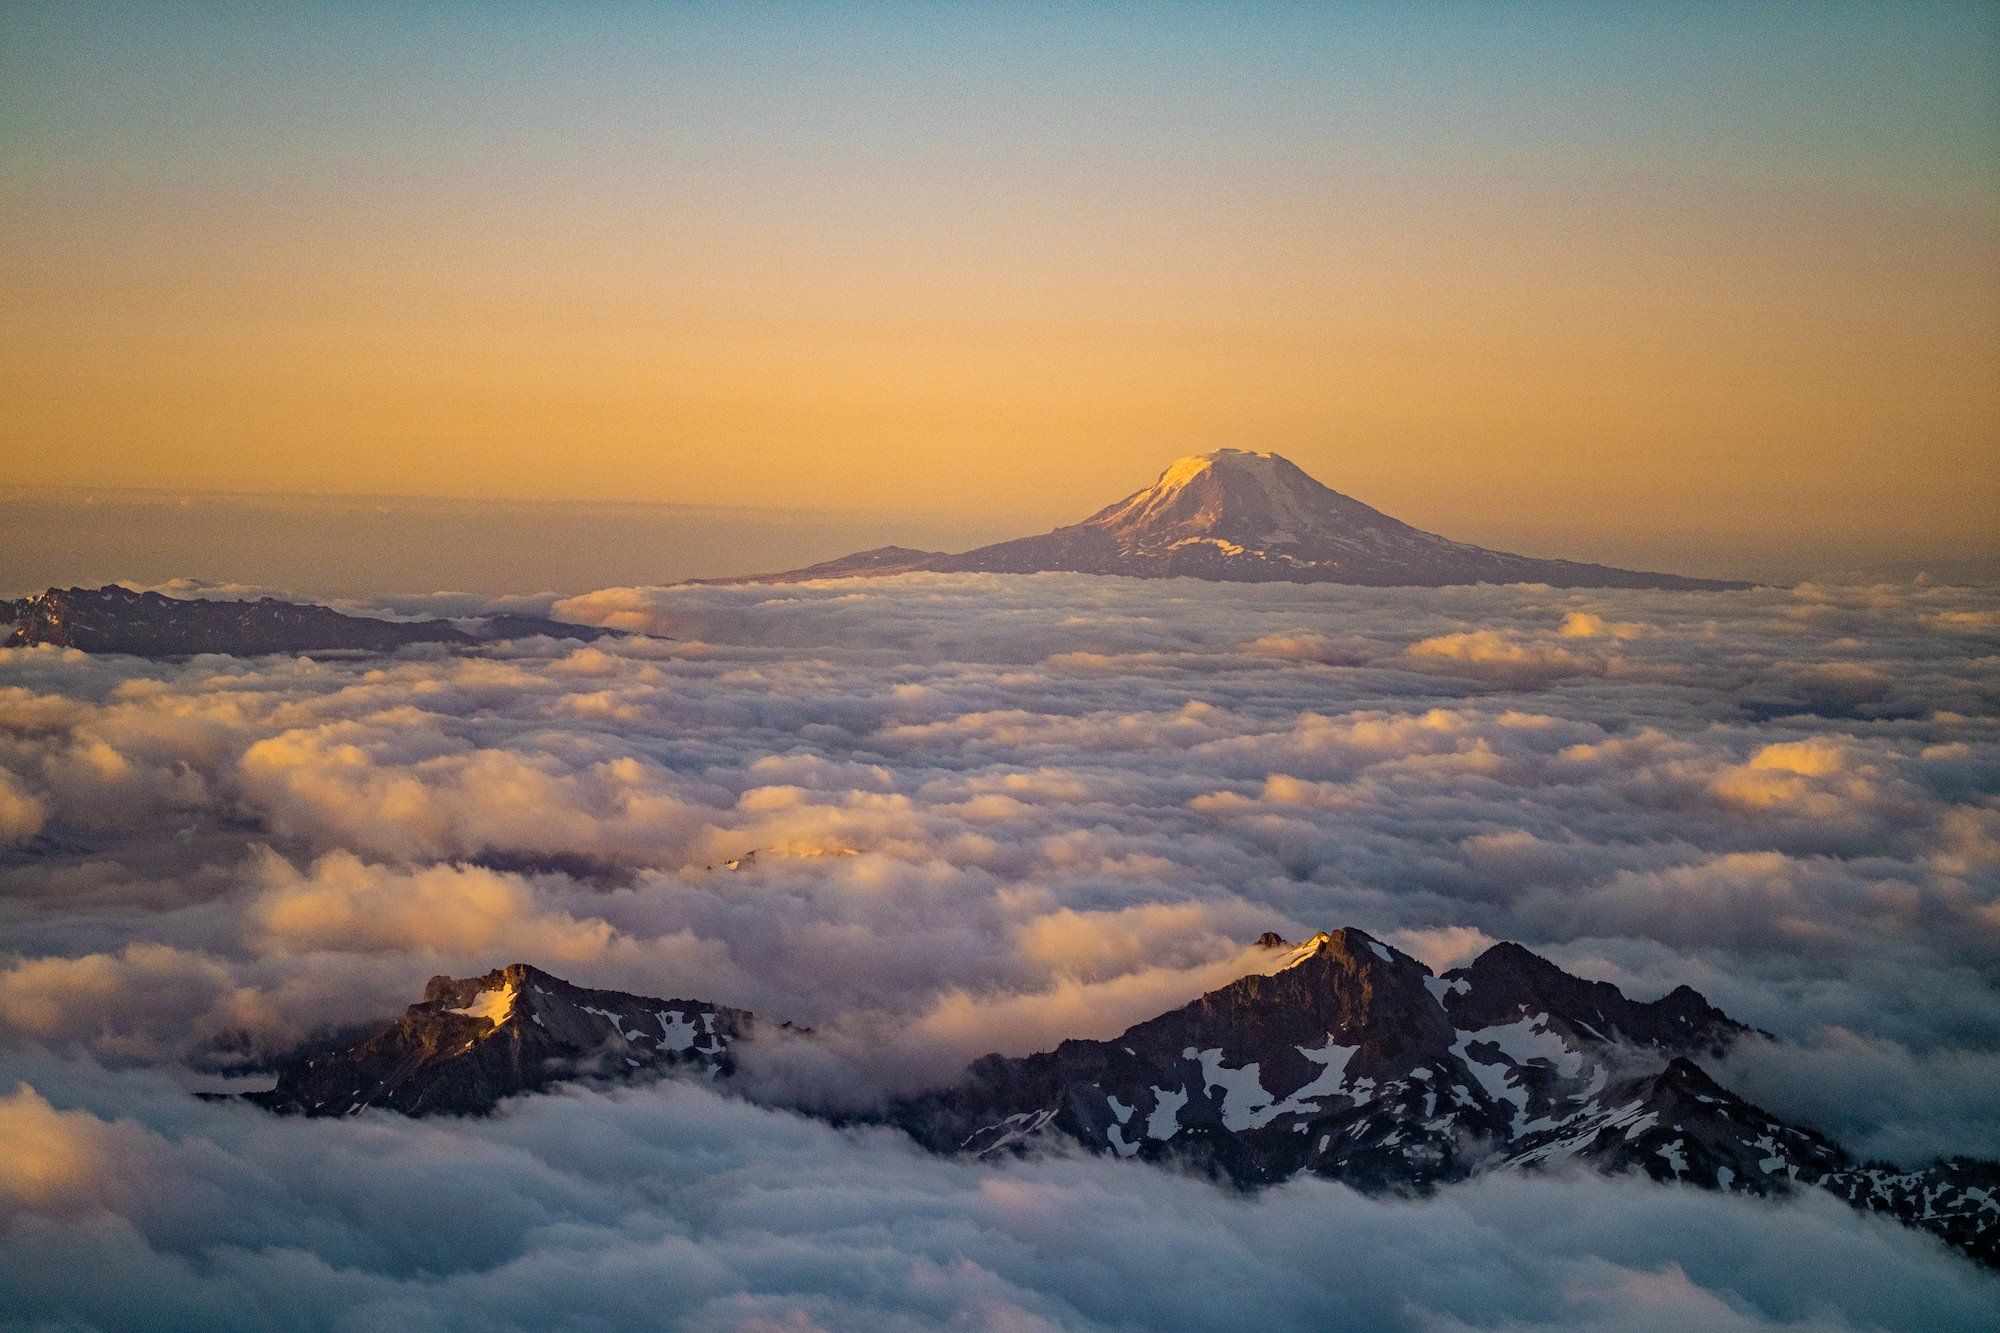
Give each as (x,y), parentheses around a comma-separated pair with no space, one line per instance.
(1343,1058)
(1242,516)
(473,1041)
(1342,981)
(1679,1125)
(1508,982)
(1341,986)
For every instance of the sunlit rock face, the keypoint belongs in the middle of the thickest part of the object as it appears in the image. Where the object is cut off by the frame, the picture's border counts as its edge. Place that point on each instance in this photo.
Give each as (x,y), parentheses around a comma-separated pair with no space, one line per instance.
(1347,1059)
(1352,1061)
(472,1042)
(1239,516)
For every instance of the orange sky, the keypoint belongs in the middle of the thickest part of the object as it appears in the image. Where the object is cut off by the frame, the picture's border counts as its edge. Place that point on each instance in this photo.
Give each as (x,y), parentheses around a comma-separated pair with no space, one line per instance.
(1519,338)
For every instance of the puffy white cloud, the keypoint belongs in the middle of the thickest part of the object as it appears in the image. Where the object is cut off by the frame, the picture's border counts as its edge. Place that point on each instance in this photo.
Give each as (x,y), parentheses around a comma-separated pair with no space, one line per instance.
(1506,656)
(1877,1096)
(21,813)
(587,1210)
(121,1002)
(345,904)
(1441,948)
(991,812)
(1590,625)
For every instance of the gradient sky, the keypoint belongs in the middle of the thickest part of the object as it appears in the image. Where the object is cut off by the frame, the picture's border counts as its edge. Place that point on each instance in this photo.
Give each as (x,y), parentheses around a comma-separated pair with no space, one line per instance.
(1537,274)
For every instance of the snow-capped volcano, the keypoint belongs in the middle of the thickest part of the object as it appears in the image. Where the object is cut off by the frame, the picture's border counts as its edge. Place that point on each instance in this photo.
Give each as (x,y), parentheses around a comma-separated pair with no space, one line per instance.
(1240,516)
(1253,500)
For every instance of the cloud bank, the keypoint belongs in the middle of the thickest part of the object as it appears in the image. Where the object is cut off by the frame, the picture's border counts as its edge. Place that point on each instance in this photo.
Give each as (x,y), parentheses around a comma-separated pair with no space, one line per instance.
(989,813)
(672,1205)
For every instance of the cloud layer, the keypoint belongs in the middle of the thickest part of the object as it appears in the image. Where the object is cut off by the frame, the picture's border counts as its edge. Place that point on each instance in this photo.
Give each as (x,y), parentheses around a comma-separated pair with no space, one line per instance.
(992,812)
(672,1205)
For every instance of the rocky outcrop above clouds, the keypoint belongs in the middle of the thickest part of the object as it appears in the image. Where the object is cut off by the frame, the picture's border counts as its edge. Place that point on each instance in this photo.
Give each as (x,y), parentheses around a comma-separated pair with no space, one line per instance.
(1348,1059)
(469,1043)
(115,619)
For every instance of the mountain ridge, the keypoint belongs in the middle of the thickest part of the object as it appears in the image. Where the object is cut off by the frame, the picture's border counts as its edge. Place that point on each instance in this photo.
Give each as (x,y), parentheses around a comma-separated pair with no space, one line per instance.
(117,619)
(1347,1059)
(471,1042)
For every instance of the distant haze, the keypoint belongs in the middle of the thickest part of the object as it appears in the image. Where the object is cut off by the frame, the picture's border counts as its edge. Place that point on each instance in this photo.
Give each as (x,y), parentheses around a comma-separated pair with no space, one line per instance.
(1693,286)
(356,545)
(353,545)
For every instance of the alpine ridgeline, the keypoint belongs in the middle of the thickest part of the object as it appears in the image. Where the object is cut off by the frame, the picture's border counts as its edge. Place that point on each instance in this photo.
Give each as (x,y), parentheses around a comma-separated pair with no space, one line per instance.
(1244,517)
(1344,1058)
(115,619)
(470,1043)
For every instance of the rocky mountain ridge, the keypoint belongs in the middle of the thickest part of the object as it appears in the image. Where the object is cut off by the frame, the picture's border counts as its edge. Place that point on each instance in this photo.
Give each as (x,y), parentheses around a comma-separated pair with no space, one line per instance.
(469,1043)
(1344,1058)
(115,619)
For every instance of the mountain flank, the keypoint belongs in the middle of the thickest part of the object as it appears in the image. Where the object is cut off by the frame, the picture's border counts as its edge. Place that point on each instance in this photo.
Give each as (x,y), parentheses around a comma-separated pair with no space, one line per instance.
(1345,1059)
(1237,516)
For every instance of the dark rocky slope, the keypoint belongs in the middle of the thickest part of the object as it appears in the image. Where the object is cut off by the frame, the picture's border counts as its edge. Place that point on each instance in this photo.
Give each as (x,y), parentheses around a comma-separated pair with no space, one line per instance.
(113,619)
(470,1043)
(1345,1058)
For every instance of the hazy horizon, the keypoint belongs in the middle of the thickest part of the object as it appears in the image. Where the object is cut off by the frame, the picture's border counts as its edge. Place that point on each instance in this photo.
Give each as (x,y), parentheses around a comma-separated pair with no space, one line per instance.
(354,545)
(1721,275)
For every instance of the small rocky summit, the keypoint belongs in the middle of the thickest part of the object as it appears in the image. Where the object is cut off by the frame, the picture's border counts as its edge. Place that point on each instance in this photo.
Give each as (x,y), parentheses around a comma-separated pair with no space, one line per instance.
(114,619)
(1238,516)
(470,1043)
(1341,1057)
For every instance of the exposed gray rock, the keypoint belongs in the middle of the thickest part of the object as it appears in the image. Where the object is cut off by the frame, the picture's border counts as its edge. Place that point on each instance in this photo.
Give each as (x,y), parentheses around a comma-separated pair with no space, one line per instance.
(1346,1059)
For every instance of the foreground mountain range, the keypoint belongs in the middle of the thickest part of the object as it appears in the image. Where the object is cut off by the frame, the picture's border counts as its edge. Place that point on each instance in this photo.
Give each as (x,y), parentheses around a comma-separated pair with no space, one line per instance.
(114,619)
(1346,1059)
(1243,517)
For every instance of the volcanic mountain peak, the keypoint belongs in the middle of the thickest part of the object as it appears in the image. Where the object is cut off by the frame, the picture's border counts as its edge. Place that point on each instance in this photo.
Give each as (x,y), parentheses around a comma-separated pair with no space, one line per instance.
(1258,500)
(1237,516)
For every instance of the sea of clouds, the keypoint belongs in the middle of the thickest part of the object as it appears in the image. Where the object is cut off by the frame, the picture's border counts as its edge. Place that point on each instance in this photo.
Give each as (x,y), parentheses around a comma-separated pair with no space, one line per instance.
(989,813)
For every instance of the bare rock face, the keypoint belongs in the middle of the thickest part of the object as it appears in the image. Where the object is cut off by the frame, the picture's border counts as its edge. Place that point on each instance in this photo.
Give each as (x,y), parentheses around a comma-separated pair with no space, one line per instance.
(1351,1060)
(1508,982)
(1237,516)
(1343,1058)
(113,619)
(472,1042)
